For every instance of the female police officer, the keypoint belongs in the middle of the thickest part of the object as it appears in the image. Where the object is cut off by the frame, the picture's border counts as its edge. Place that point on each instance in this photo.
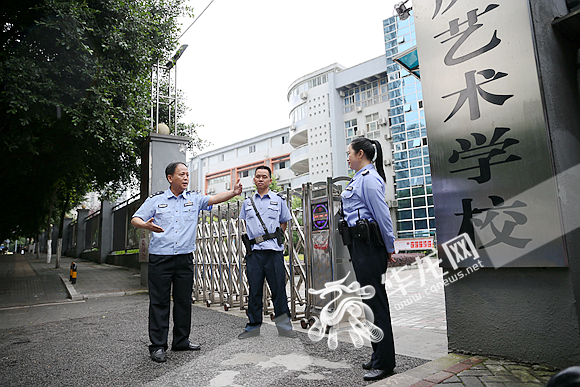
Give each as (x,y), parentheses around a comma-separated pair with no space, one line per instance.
(372,243)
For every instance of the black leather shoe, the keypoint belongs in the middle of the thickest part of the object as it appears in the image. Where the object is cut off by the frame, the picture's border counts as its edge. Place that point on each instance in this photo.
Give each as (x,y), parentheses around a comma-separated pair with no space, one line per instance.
(368,365)
(247,334)
(190,347)
(159,355)
(375,374)
(287,333)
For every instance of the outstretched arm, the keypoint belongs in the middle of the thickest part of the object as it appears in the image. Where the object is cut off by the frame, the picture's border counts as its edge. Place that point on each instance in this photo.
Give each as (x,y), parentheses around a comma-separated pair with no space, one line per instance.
(222,197)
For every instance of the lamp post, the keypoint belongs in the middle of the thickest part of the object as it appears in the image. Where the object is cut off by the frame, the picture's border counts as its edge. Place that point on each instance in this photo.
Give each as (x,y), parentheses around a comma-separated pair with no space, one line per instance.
(159,97)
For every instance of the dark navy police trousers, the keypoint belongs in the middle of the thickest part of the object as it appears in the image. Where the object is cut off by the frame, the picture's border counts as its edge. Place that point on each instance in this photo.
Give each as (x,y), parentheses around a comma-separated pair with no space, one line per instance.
(267,264)
(370,261)
(166,271)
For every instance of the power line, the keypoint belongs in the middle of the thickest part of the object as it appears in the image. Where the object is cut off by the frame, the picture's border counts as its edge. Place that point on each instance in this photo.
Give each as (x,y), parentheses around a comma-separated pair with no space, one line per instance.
(195,19)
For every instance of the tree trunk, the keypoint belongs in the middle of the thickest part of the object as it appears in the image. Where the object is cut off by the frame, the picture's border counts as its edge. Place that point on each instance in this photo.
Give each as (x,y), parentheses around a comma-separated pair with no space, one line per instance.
(60,230)
(49,241)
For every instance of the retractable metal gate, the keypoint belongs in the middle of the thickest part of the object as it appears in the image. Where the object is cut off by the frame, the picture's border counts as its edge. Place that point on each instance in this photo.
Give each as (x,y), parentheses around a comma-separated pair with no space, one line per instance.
(219,264)
(220,268)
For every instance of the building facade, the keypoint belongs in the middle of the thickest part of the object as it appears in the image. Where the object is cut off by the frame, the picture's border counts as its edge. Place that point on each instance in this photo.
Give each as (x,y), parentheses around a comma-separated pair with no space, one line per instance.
(216,171)
(331,106)
(415,212)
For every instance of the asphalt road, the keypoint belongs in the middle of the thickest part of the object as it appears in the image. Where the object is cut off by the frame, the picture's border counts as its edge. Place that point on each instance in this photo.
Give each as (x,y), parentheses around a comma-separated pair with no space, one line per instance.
(103,342)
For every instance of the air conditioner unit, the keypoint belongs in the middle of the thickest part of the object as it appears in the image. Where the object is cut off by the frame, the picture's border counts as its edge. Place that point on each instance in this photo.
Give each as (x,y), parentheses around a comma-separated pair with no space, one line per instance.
(393,204)
(292,127)
(341,93)
(387,162)
(210,190)
(383,121)
(277,176)
(388,112)
(389,135)
(304,95)
(359,109)
(228,185)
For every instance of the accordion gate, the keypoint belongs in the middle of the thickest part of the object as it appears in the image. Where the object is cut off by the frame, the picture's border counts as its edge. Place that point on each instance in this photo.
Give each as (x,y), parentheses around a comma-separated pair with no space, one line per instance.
(219,265)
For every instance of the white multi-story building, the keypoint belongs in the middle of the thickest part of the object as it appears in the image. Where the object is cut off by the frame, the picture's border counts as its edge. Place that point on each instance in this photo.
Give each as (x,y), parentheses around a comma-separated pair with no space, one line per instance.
(331,106)
(216,171)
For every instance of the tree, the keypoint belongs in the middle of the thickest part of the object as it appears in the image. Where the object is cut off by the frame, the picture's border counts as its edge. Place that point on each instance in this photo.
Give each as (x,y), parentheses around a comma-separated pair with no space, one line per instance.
(75,94)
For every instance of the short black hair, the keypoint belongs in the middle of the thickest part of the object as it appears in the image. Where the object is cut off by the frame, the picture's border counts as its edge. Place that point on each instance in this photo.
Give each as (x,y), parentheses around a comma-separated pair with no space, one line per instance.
(170,169)
(267,168)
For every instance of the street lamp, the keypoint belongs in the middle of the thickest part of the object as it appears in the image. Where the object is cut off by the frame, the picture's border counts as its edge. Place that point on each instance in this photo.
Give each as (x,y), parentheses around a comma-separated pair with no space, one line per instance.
(165,99)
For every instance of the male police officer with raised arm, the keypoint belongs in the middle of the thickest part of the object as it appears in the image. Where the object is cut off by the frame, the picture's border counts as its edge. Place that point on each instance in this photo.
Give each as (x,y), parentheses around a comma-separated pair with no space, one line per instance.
(172,216)
(266,209)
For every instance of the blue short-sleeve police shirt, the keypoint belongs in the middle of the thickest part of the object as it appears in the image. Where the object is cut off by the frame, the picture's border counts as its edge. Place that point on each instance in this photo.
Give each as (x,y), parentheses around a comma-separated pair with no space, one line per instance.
(364,198)
(273,210)
(177,215)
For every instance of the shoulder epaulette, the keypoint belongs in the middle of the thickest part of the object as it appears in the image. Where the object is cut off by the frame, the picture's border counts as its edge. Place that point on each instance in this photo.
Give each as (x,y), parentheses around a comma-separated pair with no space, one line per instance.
(366,172)
(156,193)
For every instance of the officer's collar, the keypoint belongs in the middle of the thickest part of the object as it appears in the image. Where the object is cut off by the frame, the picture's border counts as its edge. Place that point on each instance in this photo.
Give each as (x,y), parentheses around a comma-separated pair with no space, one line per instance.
(256,194)
(169,194)
(365,168)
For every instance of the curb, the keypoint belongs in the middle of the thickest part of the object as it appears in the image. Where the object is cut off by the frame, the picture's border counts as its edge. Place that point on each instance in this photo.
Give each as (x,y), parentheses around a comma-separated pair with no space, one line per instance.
(76,296)
(429,374)
(72,293)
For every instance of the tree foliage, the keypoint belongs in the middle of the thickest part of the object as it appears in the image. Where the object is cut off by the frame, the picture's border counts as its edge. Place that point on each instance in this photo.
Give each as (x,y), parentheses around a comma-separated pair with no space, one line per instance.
(74,95)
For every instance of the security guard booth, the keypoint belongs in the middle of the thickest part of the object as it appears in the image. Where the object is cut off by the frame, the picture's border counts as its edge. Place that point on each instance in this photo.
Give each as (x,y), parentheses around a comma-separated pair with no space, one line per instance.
(327,258)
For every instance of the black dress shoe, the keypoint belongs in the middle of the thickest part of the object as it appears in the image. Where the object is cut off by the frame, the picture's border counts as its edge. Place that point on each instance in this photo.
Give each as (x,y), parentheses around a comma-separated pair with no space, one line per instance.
(189,347)
(368,365)
(159,355)
(247,334)
(375,374)
(287,333)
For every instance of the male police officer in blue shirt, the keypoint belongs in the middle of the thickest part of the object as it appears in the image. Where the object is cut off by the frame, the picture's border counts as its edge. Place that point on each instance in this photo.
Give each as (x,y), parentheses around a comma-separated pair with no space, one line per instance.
(172,216)
(267,254)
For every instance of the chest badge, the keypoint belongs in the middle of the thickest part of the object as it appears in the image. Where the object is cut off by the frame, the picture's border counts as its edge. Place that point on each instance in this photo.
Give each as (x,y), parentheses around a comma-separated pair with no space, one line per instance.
(162,205)
(187,204)
(274,203)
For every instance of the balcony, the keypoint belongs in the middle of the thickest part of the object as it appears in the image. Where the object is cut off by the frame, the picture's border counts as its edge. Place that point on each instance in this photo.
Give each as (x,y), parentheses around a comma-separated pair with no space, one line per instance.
(299,135)
(299,180)
(299,160)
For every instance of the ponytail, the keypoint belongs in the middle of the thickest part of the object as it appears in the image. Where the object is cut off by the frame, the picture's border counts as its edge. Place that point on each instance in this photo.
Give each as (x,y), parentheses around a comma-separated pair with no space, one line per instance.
(379,159)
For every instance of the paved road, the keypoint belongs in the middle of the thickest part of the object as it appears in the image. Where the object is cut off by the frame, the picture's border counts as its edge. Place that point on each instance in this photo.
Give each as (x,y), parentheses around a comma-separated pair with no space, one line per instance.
(104,341)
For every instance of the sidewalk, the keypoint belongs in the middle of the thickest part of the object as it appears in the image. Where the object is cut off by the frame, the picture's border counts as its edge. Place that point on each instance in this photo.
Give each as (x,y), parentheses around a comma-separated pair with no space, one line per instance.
(418,319)
(26,280)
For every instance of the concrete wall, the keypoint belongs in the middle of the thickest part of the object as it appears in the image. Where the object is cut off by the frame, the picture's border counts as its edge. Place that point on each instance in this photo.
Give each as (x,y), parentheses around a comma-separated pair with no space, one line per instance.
(532,314)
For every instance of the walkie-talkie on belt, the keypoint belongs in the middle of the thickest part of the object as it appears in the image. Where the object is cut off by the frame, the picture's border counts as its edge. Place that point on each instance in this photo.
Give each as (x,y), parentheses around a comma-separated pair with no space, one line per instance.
(362,228)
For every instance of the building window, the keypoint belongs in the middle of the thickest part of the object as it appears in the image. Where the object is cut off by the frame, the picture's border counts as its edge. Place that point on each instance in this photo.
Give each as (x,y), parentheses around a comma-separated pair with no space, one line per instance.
(280,165)
(251,148)
(285,139)
(246,173)
(217,180)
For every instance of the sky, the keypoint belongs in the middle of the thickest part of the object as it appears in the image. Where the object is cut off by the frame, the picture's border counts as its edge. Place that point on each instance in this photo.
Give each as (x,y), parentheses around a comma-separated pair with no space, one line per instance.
(242,57)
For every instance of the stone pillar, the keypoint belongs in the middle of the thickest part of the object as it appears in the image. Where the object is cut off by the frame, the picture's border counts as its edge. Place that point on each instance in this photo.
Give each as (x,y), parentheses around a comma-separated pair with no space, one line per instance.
(520,299)
(83,213)
(158,151)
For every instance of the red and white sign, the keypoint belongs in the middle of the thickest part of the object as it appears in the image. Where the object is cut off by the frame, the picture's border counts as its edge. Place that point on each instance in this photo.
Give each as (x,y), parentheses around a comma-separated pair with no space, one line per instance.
(414,244)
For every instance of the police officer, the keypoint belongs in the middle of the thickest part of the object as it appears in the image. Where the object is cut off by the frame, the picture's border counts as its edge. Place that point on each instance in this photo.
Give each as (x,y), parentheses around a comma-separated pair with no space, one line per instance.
(371,243)
(267,254)
(172,217)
